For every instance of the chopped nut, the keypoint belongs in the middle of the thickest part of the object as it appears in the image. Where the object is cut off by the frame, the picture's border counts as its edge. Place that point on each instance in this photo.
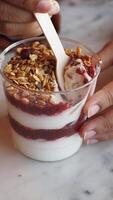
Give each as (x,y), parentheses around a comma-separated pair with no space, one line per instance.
(35,44)
(27,69)
(36,78)
(10,87)
(12,73)
(15,81)
(33,57)
(44,82)
(23,68)
(8,68)
(19,49)
(41,102)
(22,79)
(78,51)
(87,63)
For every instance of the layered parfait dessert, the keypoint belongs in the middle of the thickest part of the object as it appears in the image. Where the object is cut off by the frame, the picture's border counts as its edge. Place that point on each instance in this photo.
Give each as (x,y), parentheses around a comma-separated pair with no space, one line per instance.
(45,121)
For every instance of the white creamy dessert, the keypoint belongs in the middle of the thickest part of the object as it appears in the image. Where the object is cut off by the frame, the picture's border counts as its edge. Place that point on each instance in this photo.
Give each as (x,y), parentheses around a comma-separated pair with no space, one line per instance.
(44,120)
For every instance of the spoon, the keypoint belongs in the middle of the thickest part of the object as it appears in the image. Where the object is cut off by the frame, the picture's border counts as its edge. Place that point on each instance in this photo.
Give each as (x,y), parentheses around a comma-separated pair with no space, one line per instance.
(53,39)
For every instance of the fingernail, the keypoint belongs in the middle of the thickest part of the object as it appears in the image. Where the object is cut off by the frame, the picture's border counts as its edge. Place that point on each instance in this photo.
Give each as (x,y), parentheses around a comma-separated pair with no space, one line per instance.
(93,110)
(92,141)
(89,134)
(55,8)
(44,5)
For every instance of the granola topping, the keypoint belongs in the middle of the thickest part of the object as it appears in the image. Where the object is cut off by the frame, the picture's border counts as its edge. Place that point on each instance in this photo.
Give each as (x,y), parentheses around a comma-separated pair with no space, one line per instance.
(33,66)
(32,69)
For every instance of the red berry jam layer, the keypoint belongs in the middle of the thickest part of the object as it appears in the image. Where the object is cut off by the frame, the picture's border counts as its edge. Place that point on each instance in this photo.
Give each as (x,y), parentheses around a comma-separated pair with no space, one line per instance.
(49,135)
(35,107)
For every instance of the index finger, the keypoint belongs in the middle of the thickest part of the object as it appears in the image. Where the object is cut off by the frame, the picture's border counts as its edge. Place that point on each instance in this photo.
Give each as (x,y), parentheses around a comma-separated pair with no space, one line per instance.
(32,5)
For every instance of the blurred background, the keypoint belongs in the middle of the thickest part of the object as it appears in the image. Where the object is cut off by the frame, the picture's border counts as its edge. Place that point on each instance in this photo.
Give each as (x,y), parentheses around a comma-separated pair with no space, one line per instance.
(89,21)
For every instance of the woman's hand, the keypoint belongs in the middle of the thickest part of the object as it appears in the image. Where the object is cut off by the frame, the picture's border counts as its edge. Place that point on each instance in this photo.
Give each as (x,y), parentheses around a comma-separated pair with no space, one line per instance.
(99,108)
(17,20)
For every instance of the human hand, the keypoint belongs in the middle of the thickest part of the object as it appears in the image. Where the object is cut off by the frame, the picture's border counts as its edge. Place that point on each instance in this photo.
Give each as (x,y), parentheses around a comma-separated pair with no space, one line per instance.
(17,20)
(99,108)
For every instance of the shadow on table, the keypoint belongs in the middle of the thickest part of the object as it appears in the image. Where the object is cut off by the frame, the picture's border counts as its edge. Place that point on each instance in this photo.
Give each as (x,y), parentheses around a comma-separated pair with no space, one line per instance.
(5,135)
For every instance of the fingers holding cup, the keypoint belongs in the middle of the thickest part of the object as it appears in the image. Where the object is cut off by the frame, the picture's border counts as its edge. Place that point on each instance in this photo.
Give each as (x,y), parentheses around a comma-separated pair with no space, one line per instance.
(99,128)
(99,110)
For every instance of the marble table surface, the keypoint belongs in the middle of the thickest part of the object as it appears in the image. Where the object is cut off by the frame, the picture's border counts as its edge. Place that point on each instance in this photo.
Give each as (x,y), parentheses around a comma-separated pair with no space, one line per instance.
(89,173)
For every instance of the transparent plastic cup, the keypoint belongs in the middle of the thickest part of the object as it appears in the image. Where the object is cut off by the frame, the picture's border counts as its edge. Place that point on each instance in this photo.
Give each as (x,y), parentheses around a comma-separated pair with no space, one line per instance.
(42,130)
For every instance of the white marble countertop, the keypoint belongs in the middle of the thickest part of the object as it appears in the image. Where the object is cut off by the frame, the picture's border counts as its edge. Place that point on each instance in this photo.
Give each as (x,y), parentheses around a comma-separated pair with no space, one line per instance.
(89,173)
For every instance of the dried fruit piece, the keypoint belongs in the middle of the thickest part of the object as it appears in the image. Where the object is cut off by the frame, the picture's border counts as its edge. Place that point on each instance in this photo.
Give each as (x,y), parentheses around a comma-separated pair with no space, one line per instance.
(25,53)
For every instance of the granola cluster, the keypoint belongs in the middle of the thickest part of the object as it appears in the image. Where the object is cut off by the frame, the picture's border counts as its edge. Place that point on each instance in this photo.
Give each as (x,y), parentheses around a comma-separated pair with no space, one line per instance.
(33,67)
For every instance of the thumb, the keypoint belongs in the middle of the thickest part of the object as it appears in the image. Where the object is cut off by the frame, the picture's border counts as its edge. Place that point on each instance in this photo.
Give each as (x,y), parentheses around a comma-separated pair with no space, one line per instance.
(33,5)
(99,101)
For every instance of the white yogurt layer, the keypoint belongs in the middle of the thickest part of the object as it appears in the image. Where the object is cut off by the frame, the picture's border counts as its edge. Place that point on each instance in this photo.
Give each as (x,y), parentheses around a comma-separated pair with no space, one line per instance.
(47,150)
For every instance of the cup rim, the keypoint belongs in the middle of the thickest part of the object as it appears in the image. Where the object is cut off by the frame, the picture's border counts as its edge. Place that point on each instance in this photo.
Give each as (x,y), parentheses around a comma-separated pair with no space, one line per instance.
(7,49)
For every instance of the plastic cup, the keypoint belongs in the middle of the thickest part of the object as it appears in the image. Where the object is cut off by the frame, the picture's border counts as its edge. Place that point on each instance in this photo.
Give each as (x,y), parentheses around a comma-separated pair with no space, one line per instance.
(42,130)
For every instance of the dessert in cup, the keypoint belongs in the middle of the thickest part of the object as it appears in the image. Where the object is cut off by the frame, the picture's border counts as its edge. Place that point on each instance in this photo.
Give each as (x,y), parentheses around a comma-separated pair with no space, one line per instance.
(44,120)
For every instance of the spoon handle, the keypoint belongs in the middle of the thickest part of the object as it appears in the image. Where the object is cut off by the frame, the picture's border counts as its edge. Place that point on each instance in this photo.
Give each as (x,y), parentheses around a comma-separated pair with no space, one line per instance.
(51,35)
